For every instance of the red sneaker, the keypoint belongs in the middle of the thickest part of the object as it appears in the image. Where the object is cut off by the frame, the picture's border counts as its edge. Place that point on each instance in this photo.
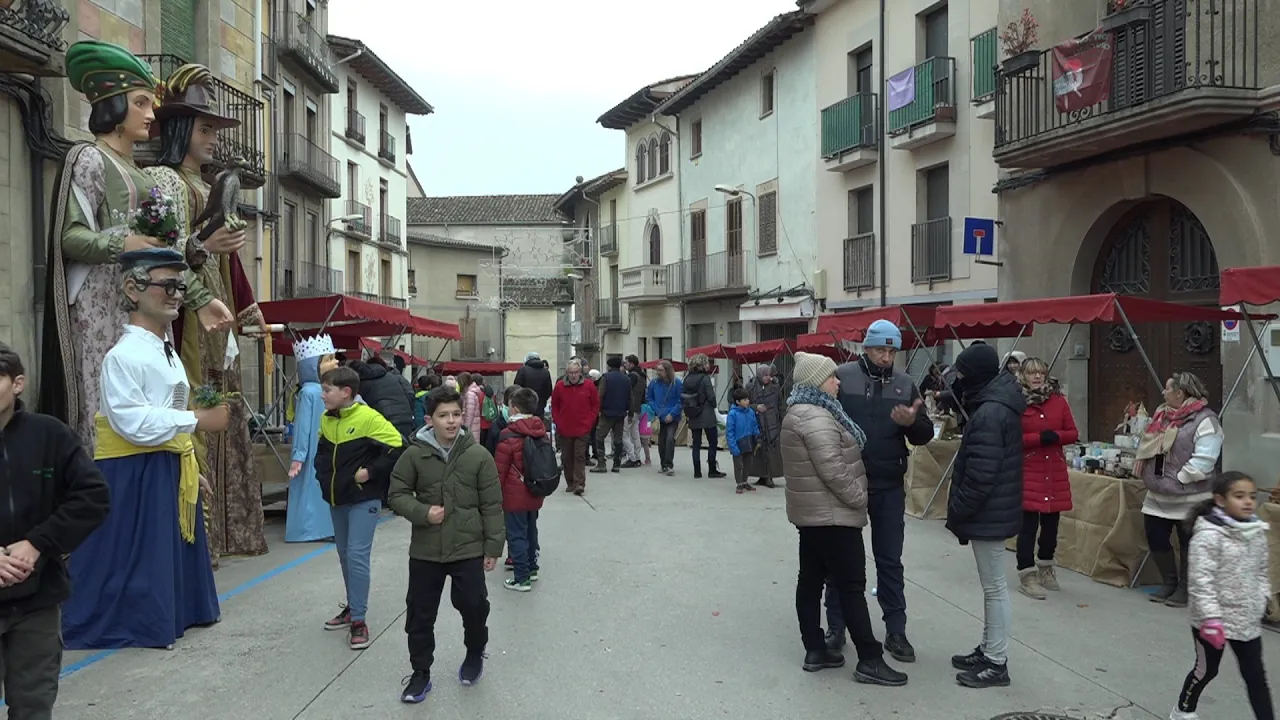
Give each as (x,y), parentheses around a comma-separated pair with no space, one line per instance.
(359,635)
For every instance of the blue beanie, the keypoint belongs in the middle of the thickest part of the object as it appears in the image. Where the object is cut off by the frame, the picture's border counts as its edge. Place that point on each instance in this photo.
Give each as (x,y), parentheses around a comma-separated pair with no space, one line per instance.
(883,334)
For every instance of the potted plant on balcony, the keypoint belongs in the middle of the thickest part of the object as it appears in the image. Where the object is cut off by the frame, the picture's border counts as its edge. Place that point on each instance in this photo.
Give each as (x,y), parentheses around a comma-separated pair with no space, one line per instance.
(1125,12)
(1017,39)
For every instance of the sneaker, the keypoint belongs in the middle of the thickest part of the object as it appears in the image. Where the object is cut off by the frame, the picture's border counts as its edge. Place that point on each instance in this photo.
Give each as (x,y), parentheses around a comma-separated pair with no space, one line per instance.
(472,668)
(988,675)
(766,482)
(341,621)
(359,635)
(416,687)
(601,468)
(878,672)
(510,564)
(816,660)
(973,660)
(631,464)
(898,646)
(1048,577)
(1177,714)
(748,488)
(513,584)
(1029,584)
(740,490)
(533,575)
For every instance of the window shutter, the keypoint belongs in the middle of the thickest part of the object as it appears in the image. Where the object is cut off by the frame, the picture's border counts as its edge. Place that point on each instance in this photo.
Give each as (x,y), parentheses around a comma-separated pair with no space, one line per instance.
(178,29)
(768,236)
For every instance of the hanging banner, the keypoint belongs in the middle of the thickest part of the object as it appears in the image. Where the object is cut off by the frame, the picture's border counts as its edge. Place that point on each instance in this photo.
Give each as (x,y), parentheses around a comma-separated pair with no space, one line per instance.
(902,89)
(1082,72)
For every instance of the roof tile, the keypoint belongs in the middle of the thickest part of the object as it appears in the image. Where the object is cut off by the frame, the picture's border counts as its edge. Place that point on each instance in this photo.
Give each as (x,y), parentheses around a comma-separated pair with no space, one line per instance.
(484,210)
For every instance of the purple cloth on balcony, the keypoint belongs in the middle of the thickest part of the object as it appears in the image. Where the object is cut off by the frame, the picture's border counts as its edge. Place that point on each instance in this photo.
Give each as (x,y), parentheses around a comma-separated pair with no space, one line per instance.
(902,89)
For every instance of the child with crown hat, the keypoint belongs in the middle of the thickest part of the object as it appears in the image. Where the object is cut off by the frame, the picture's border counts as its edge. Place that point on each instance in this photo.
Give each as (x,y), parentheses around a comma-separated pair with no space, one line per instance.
(308,518)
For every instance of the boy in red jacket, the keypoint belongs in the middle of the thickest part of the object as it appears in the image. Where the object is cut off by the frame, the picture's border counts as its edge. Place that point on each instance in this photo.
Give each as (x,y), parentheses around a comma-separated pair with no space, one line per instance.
(519,506)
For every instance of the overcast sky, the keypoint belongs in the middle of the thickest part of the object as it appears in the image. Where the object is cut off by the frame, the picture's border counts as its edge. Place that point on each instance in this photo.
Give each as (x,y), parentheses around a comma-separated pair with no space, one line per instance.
(518,84)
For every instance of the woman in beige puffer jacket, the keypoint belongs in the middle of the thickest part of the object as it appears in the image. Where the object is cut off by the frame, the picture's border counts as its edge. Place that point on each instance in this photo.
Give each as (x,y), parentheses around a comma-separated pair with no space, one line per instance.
(827,502)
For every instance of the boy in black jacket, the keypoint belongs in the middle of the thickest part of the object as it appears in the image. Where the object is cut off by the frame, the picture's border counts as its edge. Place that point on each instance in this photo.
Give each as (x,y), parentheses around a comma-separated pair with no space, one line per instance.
(357,450)
(57,498)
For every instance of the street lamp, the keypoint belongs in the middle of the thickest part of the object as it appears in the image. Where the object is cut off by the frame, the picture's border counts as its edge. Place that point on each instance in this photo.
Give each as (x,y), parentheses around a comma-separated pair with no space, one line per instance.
(734,192)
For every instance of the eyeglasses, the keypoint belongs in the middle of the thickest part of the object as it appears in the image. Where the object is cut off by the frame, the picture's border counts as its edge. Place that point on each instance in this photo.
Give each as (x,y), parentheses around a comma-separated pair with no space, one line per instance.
(172,286)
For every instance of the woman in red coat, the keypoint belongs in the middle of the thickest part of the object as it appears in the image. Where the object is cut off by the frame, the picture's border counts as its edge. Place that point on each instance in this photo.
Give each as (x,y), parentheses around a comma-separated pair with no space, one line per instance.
(1047,425)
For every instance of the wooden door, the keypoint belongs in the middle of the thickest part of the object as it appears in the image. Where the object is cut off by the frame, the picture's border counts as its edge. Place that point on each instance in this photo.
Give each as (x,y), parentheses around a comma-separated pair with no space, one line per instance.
(1158,250)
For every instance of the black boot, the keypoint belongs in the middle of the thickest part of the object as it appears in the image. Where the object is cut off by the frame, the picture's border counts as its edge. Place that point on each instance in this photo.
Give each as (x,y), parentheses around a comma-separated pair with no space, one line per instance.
(816,660)
(697,465)
(1168,568)
(766,482)
(877,672)
(835,641)
(1179,597)
(897,645)
(714,470)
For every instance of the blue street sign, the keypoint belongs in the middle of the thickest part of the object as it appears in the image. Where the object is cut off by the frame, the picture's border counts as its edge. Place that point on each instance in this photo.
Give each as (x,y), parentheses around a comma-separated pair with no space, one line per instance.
(979,236)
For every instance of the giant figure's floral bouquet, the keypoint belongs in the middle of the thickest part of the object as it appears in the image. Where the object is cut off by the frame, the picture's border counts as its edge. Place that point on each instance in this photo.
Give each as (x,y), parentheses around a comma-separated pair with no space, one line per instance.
(155,217)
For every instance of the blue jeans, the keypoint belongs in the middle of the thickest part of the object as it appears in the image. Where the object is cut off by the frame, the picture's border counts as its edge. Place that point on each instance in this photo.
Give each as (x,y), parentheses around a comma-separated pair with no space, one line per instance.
(353,527)
(887,509)
(522,541)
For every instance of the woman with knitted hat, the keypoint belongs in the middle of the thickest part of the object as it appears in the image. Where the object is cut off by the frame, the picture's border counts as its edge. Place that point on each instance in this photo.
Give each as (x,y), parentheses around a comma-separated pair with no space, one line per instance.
(97,189)
(827,502)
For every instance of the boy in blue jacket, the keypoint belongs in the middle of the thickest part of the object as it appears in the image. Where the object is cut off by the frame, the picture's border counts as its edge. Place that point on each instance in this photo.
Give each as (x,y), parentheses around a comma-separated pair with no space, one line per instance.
(741,430)
(663,395)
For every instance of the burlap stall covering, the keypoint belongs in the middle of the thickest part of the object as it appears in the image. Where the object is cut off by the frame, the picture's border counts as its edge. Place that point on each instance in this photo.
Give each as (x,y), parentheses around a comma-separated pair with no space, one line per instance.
(925,466)
(1102,535)
(1270,513)
(269,468)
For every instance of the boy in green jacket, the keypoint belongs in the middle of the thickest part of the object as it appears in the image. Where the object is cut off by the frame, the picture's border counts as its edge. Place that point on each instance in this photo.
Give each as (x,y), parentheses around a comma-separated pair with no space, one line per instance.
(446,485)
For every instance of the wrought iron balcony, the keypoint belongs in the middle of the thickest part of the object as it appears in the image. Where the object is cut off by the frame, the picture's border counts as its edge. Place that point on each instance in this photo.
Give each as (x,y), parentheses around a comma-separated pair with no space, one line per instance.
(931,114)
(931,251)
(389,233)
(371,297)
(393,301)
(643,284)
(298,40)
(577,253)
(1176,67)
(355,126)
(31,37)
(363,226)
(608,312)
(387,147)
(849,137)
(860,262)
(307,280)
(984,59)
(305,162)
(721,274)
(243,143)
(608,240)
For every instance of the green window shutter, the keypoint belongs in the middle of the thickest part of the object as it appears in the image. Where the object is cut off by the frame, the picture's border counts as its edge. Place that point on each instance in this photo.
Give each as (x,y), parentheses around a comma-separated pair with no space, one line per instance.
(178,28)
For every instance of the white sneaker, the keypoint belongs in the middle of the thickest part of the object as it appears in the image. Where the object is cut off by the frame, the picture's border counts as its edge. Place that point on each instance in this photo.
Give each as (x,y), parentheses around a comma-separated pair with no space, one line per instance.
(1177,714)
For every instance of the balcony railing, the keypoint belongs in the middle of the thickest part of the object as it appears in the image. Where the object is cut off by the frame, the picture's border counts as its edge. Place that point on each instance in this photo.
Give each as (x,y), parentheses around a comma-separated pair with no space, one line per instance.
(393,301)
(934,97)
(363,226)
(608,312)
(296,38)
(643,283)
(371,297)
(984,57)
(306,162)
(355,126)
(608,240)
(270,59)
(860,262)
(720,274)
(389,233)
(243,143)
(931,251)
(31,37)
(387,146)
(849,125)
(308,280)
(1184,65)
(577,253)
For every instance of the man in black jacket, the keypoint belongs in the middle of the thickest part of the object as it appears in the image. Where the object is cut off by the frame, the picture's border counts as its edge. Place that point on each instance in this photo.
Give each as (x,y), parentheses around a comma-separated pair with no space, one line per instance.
(888,408)
(388,393)
(57,498)
(615,402)
(984,507)
(537,377)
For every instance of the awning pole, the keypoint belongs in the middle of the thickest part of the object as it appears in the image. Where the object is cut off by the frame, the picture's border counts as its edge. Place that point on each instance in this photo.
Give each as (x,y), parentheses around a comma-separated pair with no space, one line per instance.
(1009,354)
(1257,342)
(1138,342)
(1061,345)
(1239,376)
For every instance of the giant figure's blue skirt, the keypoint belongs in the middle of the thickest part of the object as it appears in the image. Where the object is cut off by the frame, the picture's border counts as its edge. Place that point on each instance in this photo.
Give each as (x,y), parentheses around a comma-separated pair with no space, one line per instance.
(134,581)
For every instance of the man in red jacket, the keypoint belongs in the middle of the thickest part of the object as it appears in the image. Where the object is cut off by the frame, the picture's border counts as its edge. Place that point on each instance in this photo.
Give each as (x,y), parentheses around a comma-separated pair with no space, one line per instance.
(575,405)
(519,506)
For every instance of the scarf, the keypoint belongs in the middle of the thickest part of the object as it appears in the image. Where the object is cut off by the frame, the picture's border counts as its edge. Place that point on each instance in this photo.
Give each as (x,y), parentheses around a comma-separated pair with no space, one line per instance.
(1163,430)
(808,395)
(1226,519)
(1041,395)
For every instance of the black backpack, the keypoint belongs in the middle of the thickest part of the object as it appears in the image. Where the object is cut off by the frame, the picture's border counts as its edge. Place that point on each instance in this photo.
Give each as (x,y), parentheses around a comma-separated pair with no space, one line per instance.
(541,466)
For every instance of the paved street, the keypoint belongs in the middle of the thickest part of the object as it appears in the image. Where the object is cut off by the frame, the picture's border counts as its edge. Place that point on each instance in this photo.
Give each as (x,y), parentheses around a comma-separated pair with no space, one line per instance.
(659,598)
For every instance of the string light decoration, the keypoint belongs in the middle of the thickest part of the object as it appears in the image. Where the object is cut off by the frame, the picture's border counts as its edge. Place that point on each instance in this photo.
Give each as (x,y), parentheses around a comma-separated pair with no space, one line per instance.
(531,267)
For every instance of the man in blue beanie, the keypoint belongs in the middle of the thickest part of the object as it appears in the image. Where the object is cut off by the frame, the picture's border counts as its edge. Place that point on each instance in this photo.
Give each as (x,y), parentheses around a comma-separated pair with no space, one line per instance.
(889,409)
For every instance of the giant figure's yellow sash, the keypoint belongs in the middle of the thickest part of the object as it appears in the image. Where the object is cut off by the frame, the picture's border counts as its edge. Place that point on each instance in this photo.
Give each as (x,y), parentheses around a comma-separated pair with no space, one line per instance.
(111,446)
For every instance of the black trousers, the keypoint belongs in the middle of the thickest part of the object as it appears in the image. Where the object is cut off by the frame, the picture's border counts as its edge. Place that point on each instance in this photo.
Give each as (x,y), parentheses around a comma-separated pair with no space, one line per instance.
(1158,531)
(609,427)
(1047,525)
(30,661)
(1209,658)
(713,443)
(835,554)
(667,444)
(470,598)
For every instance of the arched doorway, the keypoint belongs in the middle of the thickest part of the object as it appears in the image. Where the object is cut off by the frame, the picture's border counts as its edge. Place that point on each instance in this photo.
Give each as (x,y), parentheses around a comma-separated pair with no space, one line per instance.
(1157,250)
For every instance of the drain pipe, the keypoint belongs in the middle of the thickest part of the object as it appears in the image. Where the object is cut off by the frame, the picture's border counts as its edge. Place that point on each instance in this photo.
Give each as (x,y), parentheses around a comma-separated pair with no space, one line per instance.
(680,223)
(39,257)
(881,118)
(261,193)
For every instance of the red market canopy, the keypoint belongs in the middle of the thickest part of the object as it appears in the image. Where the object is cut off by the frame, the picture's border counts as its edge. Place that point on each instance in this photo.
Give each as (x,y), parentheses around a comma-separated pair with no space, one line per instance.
(426,327)
(1252,285)
(761,351)
(922,318)
(341,314)
(1082,309)
(453,367)
(724,352)
(814,342)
